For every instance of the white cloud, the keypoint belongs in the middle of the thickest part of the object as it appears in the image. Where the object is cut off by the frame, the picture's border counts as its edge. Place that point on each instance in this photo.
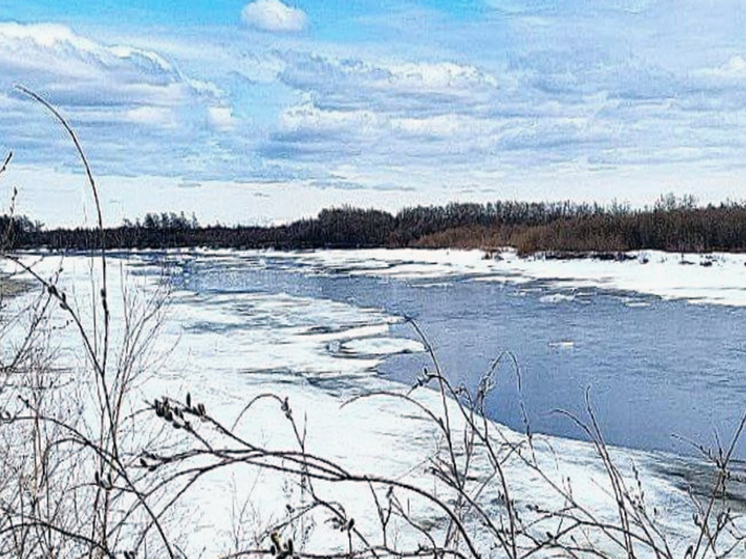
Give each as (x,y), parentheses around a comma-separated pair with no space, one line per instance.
(221,118)
(47,35)
(76,71)
(128,105)
(734,68)
(448,127)
(443,76)
(310,118)
(157,116)
(403,113)
(543,110)
(273,15)
(411,86)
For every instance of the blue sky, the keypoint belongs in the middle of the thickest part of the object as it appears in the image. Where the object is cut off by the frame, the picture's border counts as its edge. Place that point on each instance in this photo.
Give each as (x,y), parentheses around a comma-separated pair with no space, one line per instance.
(265,111)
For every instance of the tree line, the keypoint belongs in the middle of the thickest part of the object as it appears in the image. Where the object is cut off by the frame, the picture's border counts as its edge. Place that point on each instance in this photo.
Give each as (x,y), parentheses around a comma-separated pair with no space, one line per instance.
(674,224)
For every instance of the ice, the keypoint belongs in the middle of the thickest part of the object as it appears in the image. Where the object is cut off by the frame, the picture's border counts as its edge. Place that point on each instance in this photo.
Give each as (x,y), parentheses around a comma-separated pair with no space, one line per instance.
(562,344)
(380,346)
(555,298)
(717,278)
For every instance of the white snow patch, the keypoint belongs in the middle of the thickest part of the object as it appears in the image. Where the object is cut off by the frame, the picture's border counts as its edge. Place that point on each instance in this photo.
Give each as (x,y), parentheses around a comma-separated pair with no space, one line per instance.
(721,282)
(555,298)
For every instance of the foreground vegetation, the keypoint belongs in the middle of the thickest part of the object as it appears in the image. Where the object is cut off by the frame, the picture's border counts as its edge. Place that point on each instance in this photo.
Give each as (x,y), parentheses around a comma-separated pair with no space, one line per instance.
(673,224)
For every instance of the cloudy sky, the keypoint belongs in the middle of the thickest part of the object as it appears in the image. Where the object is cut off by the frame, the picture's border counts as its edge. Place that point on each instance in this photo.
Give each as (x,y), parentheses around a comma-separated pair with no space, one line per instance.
(267,111)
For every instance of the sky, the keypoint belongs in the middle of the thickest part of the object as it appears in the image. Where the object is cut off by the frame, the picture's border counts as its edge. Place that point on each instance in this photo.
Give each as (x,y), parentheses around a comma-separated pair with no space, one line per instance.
(266,111)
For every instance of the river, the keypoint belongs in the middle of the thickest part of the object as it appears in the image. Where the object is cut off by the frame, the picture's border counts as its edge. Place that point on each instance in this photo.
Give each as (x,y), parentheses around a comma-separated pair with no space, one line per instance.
(661,373)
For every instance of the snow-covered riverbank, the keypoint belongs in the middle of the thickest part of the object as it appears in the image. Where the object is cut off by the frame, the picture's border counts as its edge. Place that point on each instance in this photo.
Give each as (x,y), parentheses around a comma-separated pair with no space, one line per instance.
(226,348)
(718,278)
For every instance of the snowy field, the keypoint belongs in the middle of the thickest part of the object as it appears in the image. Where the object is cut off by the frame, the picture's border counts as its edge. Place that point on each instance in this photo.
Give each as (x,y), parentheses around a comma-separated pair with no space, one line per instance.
(225,349)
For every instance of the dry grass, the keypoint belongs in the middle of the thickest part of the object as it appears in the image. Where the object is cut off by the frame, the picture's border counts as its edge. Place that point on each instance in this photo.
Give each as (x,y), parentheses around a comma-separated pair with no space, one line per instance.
(12,287)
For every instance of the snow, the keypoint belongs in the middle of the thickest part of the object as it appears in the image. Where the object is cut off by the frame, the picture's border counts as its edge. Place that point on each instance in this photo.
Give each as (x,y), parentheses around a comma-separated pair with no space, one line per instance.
(718,278)
(555,298)
(225,349)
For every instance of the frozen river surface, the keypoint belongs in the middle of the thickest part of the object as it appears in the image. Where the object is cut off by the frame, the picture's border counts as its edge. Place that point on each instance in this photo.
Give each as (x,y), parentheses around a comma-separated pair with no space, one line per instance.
(663,358)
